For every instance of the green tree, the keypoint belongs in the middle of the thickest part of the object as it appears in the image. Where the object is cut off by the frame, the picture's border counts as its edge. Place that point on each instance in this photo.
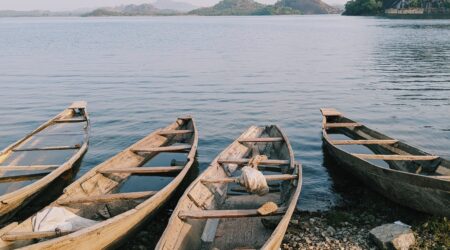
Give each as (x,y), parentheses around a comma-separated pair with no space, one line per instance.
(363,7)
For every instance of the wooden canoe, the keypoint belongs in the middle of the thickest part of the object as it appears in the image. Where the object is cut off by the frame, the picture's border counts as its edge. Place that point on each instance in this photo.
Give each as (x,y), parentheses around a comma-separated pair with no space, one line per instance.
(31,164)
(410,177)
(97,196)
(211,215)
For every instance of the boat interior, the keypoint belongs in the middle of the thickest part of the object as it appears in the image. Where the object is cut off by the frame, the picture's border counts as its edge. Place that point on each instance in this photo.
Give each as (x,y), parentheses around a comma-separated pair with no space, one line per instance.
(381,150)
(124,181)
(43,150)
(219,213)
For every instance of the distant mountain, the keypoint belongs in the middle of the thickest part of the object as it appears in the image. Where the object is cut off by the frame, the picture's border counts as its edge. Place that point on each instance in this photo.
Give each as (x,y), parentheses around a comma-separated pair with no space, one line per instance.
(309,6)
(230,7)
(130,10)
(282,7)
(173,5)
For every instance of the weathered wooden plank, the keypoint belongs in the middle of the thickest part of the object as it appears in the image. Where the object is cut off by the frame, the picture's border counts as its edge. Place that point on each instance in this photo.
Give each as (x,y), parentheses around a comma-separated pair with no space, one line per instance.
(262,139)
(210,214)
(209,233)
(8,228)
(48,148)
(176,132)
(363,142)
(441,177)
(142,170)
(330,112)
(29,168)
(13,236)
(246,160)
(342,125)
(177,148)
(281,177)
(69,120)
(397,157)
(25,177)
(107,197)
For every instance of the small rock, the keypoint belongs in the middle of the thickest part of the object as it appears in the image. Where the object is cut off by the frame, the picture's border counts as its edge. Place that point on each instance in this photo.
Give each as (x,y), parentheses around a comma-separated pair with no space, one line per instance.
(312,220)
(331,230)
(393,236)
(308,241)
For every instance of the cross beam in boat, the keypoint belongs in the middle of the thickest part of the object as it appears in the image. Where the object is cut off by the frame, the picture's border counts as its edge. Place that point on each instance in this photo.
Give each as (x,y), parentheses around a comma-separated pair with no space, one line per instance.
(262,139)
(48,148)
(142,170)
(210,214)
(178,148)
(13,236)
(246,160)
(29,168)
(25,177)
(107,197)
(363,142)
(69,120)
(281,177)
(330,112)
(342,125)
(176,132)
(397,157)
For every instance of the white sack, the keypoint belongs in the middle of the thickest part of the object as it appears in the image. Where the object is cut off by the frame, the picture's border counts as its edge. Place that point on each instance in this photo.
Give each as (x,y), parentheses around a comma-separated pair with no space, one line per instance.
(59,219)
(253,181)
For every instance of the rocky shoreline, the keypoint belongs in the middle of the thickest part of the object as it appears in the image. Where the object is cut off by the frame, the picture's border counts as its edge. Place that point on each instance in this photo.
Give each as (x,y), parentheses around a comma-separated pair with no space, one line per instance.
(344,226)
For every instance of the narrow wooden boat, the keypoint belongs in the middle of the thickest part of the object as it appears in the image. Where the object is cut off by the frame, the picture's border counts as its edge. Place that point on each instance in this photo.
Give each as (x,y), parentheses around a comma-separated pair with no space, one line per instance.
(398,171)
(31,164)
(216,213)
(93,212)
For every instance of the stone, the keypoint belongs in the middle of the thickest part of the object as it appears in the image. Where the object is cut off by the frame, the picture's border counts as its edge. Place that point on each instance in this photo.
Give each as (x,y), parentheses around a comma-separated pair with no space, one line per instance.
(331,230)
(393,236)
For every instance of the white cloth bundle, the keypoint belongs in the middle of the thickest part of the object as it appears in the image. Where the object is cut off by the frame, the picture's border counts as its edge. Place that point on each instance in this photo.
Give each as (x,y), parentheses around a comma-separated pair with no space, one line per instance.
(253,181)
(59,219)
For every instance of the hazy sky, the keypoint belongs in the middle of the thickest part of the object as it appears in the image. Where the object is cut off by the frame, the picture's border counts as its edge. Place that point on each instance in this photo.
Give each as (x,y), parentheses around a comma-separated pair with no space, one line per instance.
(77,4)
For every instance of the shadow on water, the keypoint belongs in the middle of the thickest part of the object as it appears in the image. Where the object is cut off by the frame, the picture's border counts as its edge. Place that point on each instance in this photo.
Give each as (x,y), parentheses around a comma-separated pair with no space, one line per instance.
(149,232)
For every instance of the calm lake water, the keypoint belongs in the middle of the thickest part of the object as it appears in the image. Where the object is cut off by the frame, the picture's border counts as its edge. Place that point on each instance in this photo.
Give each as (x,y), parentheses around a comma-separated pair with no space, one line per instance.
(139,74)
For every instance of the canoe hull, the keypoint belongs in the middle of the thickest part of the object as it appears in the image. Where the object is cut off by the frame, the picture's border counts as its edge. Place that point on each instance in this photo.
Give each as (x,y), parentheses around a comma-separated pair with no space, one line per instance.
(111,232)
(12,202)
(413,191)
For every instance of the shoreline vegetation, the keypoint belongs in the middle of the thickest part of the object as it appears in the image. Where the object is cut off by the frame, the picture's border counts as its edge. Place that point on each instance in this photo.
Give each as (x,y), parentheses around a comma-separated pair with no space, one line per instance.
(173,8)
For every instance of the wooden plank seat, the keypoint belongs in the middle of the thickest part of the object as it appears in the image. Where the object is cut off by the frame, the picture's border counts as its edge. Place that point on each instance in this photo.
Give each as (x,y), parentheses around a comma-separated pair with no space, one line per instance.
(29,168)
(342,125)
(363,142)
(239,189)
(24,177)
(69,120)
(330,112)
(142,170)
(176,132)
(178,148)
(48,148)
(13,236)
(243,161)
(281,177)
(397,157)
(262,139)
(211,214)
(107,197)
